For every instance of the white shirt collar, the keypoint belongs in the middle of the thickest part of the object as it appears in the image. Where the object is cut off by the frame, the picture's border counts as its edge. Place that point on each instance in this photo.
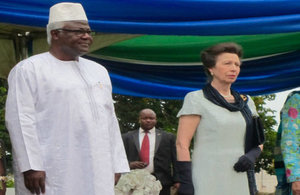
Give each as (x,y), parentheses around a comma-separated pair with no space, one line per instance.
(150,131)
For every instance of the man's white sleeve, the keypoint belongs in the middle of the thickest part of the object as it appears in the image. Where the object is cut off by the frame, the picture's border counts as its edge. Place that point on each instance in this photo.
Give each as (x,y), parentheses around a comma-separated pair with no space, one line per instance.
(120,159)
(20,119)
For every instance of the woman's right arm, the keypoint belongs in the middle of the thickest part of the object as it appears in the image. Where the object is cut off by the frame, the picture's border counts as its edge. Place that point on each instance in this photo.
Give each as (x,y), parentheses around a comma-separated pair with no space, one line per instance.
(186,129)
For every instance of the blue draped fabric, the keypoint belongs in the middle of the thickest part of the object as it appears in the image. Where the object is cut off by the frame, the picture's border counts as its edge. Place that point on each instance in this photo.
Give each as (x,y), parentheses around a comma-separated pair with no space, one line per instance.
(261,76)
(181,17)
(169,17)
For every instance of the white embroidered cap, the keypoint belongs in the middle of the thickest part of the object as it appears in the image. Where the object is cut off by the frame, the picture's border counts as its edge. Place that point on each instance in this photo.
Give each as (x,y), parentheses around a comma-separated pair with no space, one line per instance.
(65,11)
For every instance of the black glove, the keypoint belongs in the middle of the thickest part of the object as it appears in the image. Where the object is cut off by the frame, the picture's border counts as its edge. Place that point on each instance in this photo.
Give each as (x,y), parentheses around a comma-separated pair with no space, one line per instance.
(185,178)
(247,161)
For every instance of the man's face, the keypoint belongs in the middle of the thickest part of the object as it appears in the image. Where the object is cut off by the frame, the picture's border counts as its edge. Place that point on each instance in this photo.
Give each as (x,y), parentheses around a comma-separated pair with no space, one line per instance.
(74,39)
(147,119)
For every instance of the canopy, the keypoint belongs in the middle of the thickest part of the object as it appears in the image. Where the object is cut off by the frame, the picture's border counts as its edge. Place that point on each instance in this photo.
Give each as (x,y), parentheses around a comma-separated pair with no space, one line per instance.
(151,48)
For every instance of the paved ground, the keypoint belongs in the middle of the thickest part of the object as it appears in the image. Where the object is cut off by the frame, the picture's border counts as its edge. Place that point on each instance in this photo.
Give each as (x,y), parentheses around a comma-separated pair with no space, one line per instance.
(10,191)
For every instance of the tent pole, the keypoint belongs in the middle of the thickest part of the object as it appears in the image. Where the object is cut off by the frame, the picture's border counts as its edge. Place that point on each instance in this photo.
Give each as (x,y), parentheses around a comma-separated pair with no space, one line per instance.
(21,47)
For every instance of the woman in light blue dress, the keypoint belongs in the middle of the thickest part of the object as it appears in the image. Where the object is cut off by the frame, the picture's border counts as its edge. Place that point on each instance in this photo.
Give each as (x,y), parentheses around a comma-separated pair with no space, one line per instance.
(220,120)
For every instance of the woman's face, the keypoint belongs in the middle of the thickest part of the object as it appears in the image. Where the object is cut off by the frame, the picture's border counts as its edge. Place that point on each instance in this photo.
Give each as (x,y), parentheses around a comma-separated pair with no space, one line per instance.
(227,68)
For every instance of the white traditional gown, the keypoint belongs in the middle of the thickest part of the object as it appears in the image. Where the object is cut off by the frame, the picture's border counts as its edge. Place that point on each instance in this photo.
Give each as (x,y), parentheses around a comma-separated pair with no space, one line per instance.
(218,144)
(61,119)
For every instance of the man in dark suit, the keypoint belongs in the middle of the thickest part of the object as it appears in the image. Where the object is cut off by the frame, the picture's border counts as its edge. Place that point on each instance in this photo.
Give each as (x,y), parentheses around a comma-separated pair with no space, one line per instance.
(160,156)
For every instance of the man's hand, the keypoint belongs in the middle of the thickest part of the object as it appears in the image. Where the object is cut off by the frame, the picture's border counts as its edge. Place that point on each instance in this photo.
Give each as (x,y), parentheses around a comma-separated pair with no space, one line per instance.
(137,165)
(117,177)
(174,188)
(176,185)
(35,181)
(296,188)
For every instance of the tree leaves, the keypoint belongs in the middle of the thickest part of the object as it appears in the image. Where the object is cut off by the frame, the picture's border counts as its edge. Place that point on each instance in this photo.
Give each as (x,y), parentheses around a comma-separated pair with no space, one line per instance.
(266,159)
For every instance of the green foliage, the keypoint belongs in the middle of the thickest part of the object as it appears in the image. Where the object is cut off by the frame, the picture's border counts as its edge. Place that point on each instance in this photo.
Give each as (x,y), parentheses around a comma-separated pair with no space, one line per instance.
(10,182)
(266,159)
(3,131)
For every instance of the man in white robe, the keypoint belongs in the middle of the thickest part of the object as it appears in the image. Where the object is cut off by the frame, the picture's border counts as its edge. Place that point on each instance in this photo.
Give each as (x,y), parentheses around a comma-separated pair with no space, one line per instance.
(60,115)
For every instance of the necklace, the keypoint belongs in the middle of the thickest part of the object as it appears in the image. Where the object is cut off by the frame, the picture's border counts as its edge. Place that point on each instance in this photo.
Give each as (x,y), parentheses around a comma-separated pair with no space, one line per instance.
(226,96)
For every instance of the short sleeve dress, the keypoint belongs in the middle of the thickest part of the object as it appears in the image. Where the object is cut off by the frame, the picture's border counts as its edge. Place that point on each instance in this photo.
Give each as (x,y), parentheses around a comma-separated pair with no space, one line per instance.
(218,144)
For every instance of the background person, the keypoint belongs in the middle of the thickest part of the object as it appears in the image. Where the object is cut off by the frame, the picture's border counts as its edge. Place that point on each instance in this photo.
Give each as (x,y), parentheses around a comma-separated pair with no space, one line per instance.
(282,188)
(60,115)
(220,119)
(160,156)
(290,142)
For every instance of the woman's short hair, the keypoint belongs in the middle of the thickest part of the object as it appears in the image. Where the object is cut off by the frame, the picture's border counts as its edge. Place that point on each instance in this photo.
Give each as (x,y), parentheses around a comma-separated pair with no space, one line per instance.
(209,55)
